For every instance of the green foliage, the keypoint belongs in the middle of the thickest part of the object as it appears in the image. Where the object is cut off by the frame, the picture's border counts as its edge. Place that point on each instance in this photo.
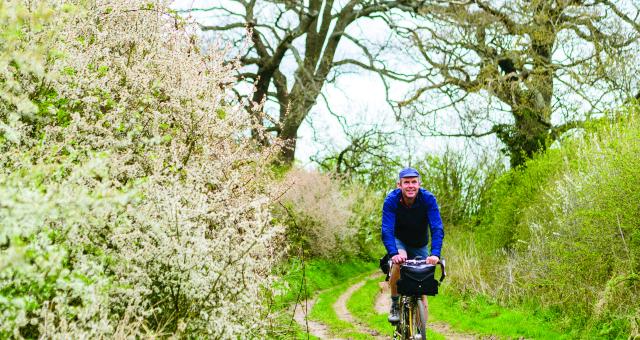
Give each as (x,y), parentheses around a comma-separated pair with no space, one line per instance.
(589,226)
(563,231)
(457,183)
(503,218)
(366,217)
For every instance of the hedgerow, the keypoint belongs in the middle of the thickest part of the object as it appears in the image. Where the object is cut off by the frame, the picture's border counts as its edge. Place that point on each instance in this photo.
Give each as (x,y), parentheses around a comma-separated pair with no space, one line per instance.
(132,201)
(562,232)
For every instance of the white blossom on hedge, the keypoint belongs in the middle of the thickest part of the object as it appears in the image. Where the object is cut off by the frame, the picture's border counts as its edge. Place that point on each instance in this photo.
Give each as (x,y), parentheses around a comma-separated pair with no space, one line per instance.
(149,214)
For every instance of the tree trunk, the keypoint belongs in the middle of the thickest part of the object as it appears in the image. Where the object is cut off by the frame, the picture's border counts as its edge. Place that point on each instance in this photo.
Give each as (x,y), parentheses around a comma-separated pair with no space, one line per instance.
(528,135)
(301,100)
(530,100)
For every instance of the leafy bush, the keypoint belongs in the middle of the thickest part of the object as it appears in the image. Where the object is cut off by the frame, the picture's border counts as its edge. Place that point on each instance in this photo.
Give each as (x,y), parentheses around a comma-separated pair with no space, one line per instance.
(27,41)
(132,201)
(585,240)
(366,218)
(562,232)
(458,184)
(503,213)
(52,263)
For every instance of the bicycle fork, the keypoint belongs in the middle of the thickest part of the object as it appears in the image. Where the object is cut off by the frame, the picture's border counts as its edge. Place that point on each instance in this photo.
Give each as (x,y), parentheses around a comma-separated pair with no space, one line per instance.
(408,306)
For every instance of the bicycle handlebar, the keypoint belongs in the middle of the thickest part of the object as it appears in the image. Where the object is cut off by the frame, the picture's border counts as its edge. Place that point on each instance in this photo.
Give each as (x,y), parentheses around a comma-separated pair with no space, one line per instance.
(441,262)
(421,262)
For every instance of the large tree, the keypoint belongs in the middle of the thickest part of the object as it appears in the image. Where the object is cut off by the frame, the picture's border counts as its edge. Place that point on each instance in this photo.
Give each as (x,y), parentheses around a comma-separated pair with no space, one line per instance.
(547,62)
(292,53)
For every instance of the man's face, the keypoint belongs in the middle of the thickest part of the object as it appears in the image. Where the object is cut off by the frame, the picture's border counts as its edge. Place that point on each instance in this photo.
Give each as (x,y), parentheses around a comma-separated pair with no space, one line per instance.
(409,186)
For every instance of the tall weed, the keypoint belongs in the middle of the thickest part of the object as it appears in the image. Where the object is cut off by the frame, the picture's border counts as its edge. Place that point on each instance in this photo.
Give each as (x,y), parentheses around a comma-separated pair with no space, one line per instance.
(584,255)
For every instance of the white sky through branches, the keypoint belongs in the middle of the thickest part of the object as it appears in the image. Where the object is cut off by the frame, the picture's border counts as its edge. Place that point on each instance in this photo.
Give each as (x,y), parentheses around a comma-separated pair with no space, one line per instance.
(356,95)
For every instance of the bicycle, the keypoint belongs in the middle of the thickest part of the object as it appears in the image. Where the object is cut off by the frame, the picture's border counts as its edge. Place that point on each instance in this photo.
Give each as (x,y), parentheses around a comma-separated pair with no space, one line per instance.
(413,311)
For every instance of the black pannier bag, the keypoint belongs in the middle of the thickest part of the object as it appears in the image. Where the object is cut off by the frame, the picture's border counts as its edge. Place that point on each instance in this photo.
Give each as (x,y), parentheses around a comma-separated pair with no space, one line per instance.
(417,279)
(384,266)
(384,263)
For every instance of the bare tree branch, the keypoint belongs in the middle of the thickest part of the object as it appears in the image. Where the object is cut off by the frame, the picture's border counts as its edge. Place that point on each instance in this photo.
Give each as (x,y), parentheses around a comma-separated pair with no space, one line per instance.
(508,52)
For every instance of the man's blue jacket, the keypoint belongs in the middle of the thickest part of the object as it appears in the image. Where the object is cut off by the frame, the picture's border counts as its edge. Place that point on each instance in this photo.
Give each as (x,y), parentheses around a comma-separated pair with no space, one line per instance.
(426,202)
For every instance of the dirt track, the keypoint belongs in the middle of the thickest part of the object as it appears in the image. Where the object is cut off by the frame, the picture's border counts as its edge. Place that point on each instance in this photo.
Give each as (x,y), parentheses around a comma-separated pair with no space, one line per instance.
(382,307)
(314,328)
(343,313)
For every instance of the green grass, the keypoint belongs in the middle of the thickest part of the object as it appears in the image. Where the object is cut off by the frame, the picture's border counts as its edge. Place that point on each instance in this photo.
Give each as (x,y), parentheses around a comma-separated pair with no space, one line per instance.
(468,314)
(362,307)
(475,314)
(323,312)
(464,314)
(319,274)
(289,330)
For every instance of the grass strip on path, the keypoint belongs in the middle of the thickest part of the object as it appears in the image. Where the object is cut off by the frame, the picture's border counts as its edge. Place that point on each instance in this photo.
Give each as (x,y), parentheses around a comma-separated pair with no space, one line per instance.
(362,307)
(318,274)
(323,311)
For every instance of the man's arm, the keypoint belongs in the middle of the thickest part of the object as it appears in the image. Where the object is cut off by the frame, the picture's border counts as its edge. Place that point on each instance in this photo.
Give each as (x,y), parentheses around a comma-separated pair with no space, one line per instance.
(388,226)
(435,222)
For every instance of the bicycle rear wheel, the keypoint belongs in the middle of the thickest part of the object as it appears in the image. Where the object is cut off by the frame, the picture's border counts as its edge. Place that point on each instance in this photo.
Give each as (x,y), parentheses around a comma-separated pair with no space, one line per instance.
(418,320)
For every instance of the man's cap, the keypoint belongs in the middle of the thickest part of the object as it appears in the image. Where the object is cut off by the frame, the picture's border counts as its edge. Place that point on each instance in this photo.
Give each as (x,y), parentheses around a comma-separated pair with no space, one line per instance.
(408,172)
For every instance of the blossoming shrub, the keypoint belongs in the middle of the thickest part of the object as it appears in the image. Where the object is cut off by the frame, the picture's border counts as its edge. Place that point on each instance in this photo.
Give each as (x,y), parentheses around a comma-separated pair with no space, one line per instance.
(53,267)
(132,200)
(27,38)
(317,213)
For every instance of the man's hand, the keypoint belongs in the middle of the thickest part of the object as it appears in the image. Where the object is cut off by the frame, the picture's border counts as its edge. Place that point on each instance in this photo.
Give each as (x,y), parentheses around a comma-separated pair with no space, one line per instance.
(399,259)
(433,259)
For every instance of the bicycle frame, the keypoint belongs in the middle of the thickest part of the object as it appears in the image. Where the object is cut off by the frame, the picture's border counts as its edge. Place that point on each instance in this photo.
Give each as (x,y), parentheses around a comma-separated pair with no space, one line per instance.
(412,309)
(409,314)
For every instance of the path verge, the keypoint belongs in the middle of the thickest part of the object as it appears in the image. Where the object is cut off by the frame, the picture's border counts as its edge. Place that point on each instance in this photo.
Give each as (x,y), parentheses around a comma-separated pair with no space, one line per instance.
(301,315)
(340,306)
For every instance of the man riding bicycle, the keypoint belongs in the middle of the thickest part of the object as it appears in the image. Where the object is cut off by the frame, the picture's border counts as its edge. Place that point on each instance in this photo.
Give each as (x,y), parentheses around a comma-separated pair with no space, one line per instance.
(409,215)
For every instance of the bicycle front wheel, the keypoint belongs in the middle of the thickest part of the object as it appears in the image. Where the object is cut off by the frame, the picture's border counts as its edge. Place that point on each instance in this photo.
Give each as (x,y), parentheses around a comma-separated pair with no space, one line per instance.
(418,320)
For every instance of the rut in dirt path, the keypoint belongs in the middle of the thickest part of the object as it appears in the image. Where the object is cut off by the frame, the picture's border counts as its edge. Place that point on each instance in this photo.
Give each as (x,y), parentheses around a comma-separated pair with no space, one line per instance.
(340,307)
(312,327)
(382,305)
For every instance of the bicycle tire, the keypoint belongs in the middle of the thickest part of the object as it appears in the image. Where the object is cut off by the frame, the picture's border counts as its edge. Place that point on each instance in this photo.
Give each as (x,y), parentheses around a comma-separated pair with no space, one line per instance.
(418,322)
